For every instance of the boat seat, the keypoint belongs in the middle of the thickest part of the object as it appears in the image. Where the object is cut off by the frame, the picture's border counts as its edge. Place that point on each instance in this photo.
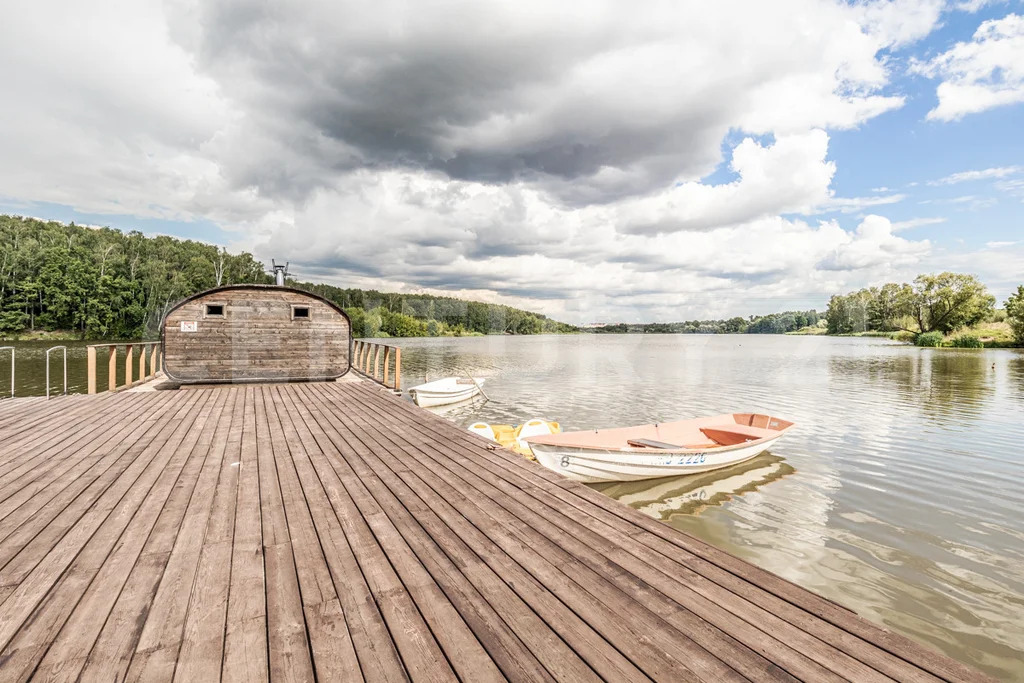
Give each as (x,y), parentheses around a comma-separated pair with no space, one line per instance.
(651,443)
(729,435)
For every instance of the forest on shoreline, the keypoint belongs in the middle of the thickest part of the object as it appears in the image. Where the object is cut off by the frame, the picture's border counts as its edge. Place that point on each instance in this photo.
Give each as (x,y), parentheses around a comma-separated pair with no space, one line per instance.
(102,283)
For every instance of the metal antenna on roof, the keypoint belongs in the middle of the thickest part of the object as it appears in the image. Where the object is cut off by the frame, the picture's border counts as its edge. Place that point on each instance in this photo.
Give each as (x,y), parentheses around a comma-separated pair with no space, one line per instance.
(280,272)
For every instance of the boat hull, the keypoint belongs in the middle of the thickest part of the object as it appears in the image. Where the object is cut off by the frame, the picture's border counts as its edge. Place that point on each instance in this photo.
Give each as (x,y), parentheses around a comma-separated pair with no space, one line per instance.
(594,465)
(442,392)
(429,399)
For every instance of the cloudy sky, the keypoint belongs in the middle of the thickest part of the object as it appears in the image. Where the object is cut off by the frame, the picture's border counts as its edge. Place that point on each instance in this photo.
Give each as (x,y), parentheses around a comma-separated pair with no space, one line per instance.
(598,161)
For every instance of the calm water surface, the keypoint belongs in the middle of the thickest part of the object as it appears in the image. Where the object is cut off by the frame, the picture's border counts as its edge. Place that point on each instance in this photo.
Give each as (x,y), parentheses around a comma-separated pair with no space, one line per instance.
(900,494)
(30,368)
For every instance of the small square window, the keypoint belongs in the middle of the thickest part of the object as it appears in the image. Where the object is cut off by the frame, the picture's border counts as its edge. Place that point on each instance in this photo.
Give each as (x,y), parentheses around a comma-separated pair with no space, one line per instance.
(300,312)
(214,310)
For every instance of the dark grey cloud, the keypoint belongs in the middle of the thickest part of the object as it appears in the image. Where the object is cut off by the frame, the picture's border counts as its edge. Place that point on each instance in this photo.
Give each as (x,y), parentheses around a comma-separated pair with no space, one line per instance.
(591,108)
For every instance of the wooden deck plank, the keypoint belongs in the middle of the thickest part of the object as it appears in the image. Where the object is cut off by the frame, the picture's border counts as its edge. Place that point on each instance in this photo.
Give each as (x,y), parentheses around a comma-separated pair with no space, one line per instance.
(26,414)
(332,532)
(202,646)
(119,636)
(38,498)
(464,651)
(512,656)
(329,638)
(598,652)
(289,651)
(22,471)
(378,657)
(69,649)
(26,514)
(245,638)
(41,561)
(156,653)
(424,480)
(110,517)
(422,656)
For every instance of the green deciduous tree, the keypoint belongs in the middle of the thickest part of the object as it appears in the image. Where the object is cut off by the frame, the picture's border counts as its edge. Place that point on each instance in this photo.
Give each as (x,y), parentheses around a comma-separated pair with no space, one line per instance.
(1015,314)
(949,301)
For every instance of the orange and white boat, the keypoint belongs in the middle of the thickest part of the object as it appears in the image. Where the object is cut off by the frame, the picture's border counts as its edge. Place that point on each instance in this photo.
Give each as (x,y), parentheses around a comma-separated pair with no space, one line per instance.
(658,450)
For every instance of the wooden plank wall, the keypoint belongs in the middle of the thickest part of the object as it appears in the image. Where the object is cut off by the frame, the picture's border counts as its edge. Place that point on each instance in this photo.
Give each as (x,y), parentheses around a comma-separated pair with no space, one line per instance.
(256,338)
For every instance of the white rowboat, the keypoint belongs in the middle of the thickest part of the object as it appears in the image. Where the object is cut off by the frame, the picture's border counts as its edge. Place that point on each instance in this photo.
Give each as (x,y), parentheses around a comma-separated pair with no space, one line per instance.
(658,450)
(441,392)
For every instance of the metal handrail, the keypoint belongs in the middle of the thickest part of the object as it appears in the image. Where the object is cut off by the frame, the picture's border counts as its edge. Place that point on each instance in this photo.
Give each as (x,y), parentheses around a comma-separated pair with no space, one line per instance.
(11,349)
(65,349)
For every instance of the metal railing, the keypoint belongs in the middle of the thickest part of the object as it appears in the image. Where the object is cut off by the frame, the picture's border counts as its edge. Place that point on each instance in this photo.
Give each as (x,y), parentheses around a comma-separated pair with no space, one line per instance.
(366,359)
(152,350)
(48,352)
(11,349)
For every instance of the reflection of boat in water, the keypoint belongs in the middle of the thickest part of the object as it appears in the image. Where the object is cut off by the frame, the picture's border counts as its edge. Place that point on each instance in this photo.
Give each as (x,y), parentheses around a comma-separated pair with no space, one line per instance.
(688,495)
(667,449)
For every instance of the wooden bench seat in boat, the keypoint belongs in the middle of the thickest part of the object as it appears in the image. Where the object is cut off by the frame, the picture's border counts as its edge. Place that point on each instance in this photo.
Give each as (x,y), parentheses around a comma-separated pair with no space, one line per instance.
(729,435)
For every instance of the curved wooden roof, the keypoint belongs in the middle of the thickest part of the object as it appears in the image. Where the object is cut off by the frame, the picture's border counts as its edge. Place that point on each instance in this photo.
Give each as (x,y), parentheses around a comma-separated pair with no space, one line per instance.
(228,288)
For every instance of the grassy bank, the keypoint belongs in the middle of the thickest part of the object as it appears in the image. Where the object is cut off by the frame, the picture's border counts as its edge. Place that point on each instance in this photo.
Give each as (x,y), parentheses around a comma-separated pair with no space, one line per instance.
(810,330)
(42,335)
(991,335)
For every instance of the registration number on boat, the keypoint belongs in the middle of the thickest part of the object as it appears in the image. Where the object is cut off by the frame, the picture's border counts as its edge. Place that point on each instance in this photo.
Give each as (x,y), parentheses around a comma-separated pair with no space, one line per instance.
(694,459)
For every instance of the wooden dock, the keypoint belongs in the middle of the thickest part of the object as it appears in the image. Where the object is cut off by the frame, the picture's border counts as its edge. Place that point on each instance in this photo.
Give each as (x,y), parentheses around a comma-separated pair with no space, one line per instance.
(332,532)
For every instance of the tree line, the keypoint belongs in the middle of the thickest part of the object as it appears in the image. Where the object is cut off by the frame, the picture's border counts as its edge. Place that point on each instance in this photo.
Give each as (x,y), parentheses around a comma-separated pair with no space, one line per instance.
(773,323)
(102,283)
(375,314)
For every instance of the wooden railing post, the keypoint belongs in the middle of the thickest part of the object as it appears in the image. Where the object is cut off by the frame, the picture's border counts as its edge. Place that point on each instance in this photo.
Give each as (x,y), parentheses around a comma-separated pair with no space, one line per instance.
(90,354)
(152,359)
(129,363)
(387,357)
(376,361)
(142,362)
(111,368)
(398,367)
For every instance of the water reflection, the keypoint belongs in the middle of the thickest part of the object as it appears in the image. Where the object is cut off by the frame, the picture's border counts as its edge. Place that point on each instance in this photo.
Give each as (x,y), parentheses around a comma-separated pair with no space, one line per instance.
(943,382)
(665,498)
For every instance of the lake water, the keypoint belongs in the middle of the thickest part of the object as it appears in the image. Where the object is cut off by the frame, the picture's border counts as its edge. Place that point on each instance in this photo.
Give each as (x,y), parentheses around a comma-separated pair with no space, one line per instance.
(30,368)
(900,493)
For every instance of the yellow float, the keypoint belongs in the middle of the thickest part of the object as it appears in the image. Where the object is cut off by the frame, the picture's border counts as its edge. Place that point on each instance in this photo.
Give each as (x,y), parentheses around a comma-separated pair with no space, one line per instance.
(511,436)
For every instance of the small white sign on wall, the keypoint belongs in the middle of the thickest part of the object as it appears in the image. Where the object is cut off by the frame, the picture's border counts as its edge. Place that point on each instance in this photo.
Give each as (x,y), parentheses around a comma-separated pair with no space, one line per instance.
(189,326)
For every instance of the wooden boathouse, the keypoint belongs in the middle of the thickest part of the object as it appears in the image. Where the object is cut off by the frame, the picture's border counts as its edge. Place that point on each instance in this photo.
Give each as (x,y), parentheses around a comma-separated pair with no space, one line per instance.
(330,531)
(254,333)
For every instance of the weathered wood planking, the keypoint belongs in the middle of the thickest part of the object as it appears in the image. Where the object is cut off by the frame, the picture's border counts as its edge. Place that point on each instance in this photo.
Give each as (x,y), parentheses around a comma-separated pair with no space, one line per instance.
(330,531)
(256,336)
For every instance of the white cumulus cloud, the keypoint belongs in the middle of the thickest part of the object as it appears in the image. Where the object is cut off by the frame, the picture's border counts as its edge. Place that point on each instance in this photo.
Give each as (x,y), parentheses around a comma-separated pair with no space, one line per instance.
(986,72)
